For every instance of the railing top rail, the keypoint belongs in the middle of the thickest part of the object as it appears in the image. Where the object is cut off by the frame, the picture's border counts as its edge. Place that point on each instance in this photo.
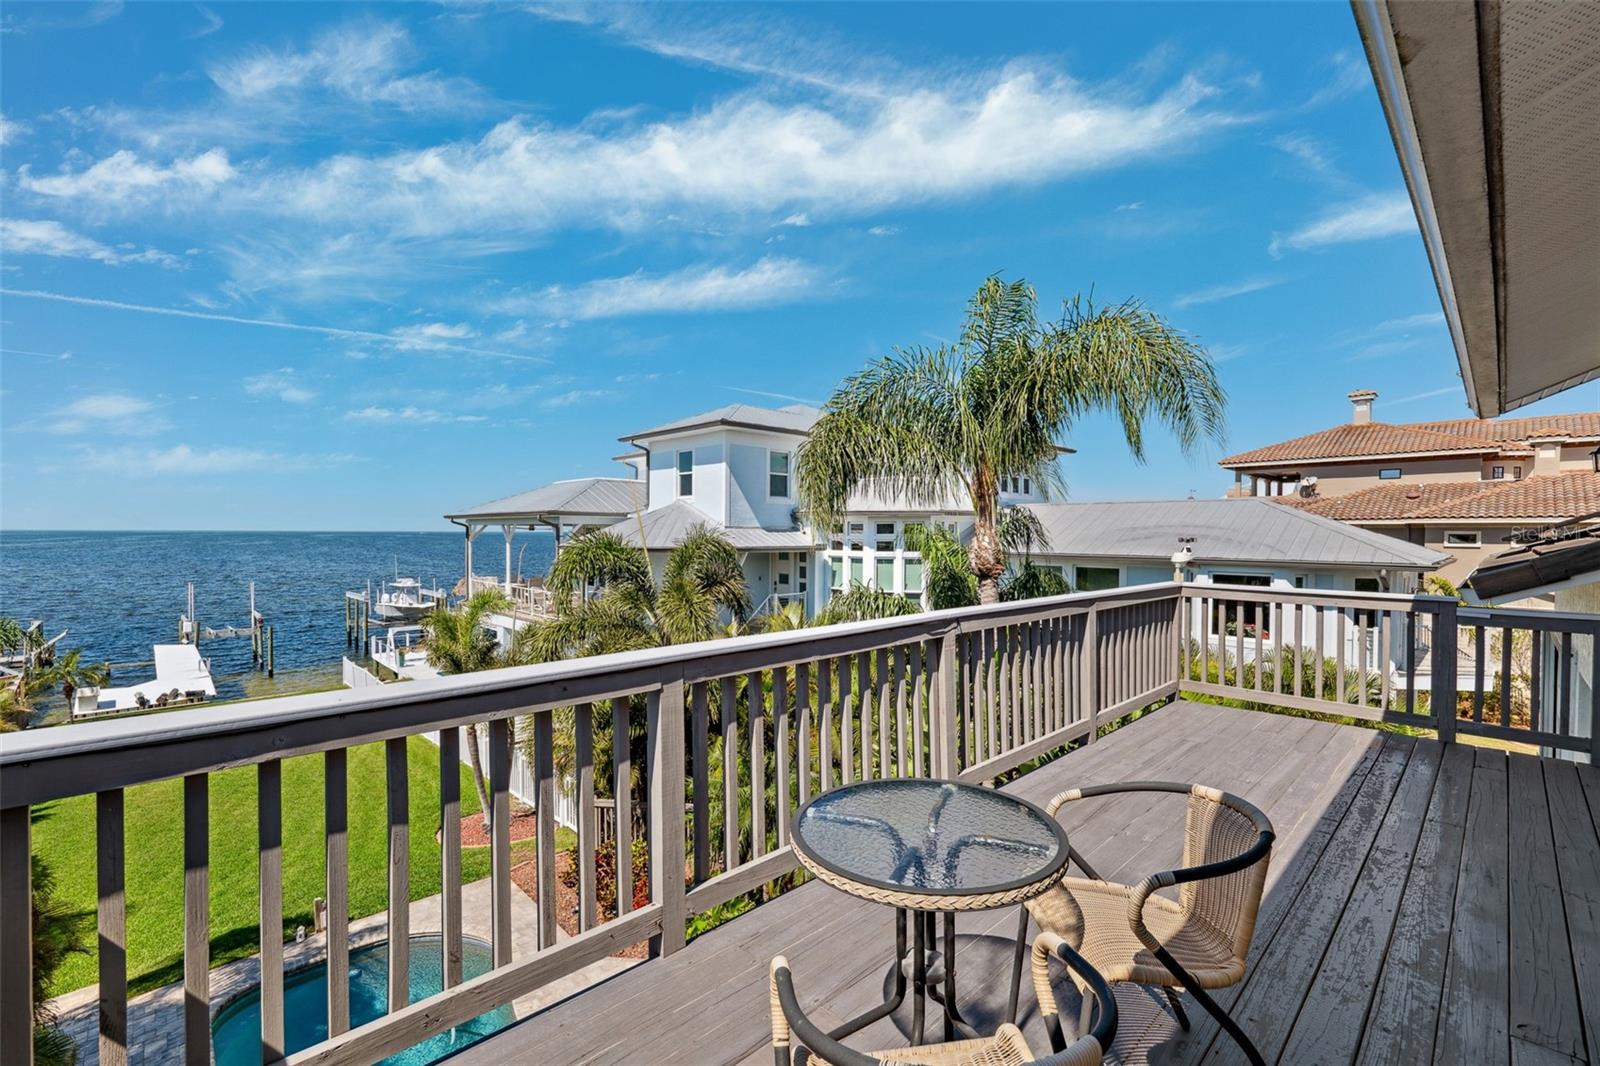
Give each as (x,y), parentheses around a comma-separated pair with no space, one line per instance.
(214,737)
(1222,588)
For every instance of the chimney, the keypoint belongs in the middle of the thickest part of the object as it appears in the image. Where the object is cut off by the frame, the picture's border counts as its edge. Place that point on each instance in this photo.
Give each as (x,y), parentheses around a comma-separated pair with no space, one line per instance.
(1361,406)
(1547,455)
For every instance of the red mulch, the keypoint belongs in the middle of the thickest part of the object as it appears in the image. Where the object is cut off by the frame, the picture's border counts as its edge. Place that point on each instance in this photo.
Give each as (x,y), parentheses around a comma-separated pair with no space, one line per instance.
(524,826)
(526,877)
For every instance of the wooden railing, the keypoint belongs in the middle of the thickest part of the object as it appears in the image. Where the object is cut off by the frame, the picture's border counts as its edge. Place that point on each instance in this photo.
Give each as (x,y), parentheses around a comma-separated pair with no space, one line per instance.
(729,738)
(736,734)
(1426,661)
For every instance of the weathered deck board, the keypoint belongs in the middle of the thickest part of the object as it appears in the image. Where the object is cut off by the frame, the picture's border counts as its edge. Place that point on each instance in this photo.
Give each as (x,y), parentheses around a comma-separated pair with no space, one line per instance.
(1427,902)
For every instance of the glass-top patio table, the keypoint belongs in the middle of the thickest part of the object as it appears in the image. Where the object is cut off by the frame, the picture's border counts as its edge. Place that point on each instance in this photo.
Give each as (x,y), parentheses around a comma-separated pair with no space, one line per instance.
(929,848)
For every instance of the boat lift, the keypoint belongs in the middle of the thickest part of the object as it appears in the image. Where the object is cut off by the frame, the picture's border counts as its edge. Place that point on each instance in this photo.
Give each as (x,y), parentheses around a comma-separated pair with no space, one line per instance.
(263,650)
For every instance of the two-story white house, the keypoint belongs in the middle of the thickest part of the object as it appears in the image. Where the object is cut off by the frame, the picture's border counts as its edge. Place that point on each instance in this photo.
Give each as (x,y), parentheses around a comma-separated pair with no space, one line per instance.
(733,468)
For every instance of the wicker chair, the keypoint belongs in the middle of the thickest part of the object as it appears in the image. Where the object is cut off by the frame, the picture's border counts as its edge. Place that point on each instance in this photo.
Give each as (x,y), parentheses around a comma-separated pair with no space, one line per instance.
(1198,942)
(1007,1047)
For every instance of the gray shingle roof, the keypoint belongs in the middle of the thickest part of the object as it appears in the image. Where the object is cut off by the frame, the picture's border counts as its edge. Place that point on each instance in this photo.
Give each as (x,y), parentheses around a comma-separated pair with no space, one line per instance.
(796,418)
(580,496)
(665,527)
(1231,530)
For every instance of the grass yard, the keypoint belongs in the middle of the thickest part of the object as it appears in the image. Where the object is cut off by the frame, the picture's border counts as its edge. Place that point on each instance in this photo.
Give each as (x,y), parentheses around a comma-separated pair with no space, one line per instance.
(64,834)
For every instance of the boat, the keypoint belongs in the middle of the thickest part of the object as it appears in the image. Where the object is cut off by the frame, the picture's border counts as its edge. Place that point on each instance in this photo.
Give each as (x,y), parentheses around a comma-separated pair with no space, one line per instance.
(403,600)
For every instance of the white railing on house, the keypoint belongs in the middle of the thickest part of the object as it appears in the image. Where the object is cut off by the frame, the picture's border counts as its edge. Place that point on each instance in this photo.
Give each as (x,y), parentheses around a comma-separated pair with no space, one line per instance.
(966,694)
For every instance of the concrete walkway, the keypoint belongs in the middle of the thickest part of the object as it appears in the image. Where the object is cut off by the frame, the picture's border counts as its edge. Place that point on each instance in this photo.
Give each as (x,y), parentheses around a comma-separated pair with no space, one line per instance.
(155,1019)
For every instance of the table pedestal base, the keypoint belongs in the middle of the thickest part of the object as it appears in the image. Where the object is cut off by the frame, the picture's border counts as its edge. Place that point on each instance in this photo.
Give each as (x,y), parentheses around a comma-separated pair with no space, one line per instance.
(931,974)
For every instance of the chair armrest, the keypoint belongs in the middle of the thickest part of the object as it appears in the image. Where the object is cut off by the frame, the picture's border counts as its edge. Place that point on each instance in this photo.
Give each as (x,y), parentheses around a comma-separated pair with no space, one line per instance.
(786,1013)
(1049,945)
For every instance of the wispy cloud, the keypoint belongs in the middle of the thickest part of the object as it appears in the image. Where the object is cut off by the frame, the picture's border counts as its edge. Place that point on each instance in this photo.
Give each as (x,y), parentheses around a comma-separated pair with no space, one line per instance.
(22,236)
(60,357)
(123,181)
(1417,321)
(105,412)
(1447,390)
(11,130)
(1385,349)
(573,397)
(1377,215)
(883,231)
(1226,353)
(407,415)
(809,402)
(387,339)
(46,17)
(1225,291)
(185,460)
(699,288)
(1348,75)
(211,23)
(284,384)
(431,334)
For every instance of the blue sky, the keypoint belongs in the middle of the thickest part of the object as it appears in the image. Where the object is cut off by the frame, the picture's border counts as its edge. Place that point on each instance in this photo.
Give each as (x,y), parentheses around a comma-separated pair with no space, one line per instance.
(302,266)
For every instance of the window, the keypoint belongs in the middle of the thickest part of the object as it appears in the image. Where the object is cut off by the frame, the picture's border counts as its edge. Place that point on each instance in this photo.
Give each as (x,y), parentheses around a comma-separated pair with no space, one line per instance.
(1516,473)
(857,535)
(1027,486)
(686,473)
(1095,578)
(778,475)
(1367,584)
(885,536)
(914,576)
(1496,473)
(1299,581)
(857,571)
(1389,473)
(1463,539)
(883,574)
(836,581)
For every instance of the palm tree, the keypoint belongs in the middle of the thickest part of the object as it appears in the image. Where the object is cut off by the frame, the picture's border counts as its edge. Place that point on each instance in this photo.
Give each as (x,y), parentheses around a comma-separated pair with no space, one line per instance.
(460,643)
(70,673)
(927,422)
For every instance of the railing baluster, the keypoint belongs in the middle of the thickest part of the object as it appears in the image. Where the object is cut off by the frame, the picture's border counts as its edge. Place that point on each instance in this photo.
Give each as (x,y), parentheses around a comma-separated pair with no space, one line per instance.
(1536,681)
(1564,686)
(1505,676)
(885,708)
(919,766)
(869,710)
(1411,659)
(111,913)
(825,673)
(336,856)
(196,921)
(269,843)
(1339,642)
(989,665)
(500,887)
(622,793)
(755,703)
(699,748)
(544,777)
(1479,654)
(16,934)
(583,737)
(450,852)
(1322,645)
(1260,617)
(1385,662)
(1089,670)
(847,704)
(399,810)
(666,809)
(803,728)
(780,751)
(943,717)
(901,728)
(1363,628)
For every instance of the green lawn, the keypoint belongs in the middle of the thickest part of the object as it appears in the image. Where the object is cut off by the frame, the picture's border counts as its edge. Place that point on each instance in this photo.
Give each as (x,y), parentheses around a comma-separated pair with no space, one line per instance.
(64,835)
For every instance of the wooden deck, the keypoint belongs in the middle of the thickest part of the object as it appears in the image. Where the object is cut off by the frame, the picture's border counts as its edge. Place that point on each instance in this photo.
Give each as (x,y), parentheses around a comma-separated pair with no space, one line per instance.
(1426,903)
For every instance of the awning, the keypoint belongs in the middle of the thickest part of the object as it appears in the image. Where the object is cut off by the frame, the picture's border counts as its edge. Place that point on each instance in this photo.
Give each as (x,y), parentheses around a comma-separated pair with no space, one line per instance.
(1493,112)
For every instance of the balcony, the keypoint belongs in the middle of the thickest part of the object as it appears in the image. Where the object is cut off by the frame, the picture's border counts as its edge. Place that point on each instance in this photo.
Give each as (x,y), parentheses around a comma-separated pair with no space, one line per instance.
(1430,899)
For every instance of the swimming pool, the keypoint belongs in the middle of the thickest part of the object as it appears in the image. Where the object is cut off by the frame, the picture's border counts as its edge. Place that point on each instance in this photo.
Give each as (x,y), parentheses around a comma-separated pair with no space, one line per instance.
(236,1033)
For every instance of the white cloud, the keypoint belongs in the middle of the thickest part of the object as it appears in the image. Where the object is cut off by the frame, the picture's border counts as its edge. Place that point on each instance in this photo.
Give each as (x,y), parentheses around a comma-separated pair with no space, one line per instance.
(406,415)
(699,288)
(799,218)
(431,335)
(748,154)
(1447,390)
(122,180)
(883,231)
(1131,206)
(1225,292)
(283,384)
(1350,74)
(22,236)
(572,397)
(11,130)
(188,461)
(360,62)
(1418,321)
(106,413)
(1377,215)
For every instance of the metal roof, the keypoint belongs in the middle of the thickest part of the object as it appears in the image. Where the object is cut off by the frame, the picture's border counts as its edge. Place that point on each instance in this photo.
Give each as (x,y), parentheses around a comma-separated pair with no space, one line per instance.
(579,496)
(1492,110)
(1253,530)
(796,418)
(666,527)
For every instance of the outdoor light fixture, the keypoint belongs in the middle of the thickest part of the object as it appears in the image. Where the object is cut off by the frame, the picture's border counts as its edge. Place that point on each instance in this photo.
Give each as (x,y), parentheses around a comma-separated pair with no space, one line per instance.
(1182,557)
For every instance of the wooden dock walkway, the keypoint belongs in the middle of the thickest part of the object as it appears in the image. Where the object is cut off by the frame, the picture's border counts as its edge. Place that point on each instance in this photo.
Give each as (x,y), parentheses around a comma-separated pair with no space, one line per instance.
(1426,903)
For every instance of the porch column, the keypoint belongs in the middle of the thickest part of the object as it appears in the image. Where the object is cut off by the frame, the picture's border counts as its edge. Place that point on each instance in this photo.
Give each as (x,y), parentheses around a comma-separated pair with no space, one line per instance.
(510,531)
(468,563)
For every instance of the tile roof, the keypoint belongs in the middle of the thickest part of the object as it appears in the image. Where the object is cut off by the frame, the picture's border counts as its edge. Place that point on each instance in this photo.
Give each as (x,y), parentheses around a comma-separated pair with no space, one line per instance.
(1252,530)
(1570,495)
(1581,424)
(1369,440)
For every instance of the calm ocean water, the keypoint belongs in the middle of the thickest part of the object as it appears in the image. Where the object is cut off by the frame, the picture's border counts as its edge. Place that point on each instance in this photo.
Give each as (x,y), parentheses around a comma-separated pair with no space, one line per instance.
(118,593)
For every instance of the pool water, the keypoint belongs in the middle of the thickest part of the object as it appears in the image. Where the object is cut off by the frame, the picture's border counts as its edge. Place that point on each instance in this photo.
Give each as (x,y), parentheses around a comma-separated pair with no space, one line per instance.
(236,1033)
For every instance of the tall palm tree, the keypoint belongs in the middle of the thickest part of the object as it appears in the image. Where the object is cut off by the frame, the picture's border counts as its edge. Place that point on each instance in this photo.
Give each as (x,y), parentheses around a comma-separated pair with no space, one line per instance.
(460,643)
(928,422)
(70,673)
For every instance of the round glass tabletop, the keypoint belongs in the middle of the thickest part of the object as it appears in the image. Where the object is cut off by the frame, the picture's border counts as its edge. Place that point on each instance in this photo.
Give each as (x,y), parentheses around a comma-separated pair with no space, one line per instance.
(930,837)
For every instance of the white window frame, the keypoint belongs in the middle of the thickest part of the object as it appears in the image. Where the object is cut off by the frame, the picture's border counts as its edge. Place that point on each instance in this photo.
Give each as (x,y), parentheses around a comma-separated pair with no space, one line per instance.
(1077,585)
(787,475)
(681,473)
(1474,538)
(1383,473)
